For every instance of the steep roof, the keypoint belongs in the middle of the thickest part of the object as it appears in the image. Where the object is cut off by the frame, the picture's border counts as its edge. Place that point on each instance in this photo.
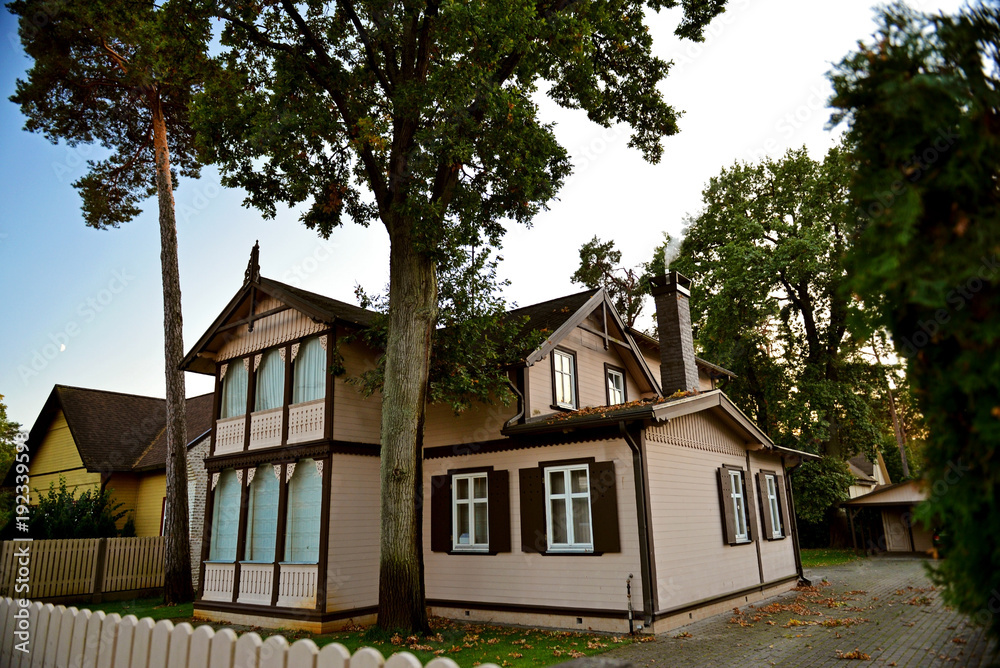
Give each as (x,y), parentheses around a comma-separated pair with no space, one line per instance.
(198,414)
(551,314)
(113,431)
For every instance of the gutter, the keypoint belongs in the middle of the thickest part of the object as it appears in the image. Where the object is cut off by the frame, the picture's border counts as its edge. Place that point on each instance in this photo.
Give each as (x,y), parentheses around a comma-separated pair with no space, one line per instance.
(645,571)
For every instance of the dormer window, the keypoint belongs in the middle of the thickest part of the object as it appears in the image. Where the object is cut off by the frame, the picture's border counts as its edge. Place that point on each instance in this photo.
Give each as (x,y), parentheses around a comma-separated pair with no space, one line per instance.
(234,390)
(270,382)
(564,379)
(308,372)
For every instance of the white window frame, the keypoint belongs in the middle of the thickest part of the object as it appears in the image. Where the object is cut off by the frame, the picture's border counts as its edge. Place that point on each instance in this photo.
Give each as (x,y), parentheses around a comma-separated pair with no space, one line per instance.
(471,502)
(557,376)
(572,545)
(613,390)
(772,501)
(739,506)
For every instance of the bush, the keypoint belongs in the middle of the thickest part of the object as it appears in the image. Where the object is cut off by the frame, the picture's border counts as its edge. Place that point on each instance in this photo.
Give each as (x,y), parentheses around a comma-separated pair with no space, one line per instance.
(59,514)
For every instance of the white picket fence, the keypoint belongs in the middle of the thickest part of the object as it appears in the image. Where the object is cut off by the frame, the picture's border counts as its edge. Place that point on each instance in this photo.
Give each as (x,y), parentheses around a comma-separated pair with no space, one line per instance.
(60,637)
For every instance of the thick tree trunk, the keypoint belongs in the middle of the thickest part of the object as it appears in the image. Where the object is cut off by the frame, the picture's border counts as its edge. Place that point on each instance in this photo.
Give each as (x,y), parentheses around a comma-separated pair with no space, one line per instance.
(177,585)
(412,314)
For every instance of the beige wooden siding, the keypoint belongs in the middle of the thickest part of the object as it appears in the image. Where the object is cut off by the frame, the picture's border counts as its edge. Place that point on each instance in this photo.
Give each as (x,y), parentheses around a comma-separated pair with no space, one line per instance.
(356,417)
(704,380)
(777,556)
(270,331)
(693,561)
(591,379)
(479,423)
(149,510)
(57,457)
(519,578)
(352,570)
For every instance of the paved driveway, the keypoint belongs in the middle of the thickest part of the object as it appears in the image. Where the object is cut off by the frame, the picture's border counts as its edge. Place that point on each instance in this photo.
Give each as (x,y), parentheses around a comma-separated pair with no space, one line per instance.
(884,608)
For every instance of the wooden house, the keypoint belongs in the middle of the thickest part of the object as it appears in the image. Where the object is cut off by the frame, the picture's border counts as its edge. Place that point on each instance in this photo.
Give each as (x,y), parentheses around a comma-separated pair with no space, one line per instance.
(620,488)
(95,439)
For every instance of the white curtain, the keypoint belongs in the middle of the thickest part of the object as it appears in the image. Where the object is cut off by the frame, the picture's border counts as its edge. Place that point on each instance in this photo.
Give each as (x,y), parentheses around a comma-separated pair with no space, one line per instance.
(309,372)
(262,520)
(225,517)
(234,389)
(305,498)
(270,382)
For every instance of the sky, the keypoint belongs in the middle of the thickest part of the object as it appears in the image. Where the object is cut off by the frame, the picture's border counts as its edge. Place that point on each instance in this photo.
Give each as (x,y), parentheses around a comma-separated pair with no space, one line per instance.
(84,306)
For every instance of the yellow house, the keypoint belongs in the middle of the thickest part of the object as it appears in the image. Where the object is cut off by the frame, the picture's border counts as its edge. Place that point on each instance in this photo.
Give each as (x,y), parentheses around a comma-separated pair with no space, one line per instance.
(95,439)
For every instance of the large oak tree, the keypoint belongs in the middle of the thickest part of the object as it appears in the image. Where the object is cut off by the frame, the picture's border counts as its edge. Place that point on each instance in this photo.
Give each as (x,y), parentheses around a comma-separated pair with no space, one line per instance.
(421,115)
(121,74)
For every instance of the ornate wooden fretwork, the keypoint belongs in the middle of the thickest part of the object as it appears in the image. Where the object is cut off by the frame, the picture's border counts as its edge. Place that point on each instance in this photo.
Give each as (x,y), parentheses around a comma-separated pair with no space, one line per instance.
(295,350)
(277,472)
(289,471)
(215,479)
(319,467)
(250,475)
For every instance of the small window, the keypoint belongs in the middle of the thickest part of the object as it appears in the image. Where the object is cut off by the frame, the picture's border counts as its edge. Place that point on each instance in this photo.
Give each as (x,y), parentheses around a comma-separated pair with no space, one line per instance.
(739,505)
(471,512)
(616,387)
(567,500)
(270,382)
(234,390)
(564,379)
(771,498)
(225,517)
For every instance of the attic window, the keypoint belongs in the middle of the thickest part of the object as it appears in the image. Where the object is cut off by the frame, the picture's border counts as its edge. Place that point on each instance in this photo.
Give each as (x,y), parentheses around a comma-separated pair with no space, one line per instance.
(564,379)
(616,385)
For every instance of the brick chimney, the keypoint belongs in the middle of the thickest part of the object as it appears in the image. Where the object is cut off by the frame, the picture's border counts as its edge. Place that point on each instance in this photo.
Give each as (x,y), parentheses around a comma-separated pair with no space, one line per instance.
(672,295)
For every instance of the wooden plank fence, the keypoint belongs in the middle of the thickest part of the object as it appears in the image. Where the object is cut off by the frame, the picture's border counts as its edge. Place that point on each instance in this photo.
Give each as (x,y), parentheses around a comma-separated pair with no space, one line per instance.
(60,637)
(84,567)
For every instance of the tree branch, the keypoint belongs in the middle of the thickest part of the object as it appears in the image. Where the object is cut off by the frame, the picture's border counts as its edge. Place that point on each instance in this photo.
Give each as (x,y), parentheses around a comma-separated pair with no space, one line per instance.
(385,81)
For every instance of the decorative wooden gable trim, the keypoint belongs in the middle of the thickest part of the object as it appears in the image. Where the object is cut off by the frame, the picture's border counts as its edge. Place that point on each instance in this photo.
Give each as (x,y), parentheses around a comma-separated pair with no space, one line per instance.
(625,345)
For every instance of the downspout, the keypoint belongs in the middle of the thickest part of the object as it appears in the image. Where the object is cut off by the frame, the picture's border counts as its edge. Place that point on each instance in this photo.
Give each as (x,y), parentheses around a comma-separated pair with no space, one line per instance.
(750,487)
(643,522)
(520,404)
(793,525)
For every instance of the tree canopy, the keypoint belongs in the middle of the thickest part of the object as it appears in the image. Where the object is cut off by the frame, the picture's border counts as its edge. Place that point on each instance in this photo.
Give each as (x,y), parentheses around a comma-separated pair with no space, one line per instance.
(921,101)
(421,115)
(600,267)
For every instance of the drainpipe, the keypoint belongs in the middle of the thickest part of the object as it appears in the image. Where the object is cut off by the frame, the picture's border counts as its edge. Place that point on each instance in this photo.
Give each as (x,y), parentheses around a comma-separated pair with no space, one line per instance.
(643,521)
(520,403)
(793,525)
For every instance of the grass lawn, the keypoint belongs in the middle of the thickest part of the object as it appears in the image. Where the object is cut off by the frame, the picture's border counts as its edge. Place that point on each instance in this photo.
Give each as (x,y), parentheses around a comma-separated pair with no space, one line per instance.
(468,644)
(828,557)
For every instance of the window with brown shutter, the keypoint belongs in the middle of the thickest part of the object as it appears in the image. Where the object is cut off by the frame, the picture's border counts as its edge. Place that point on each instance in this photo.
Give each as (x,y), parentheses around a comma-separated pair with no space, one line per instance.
(481,515)
(771,504)
(737,506)
(569,507)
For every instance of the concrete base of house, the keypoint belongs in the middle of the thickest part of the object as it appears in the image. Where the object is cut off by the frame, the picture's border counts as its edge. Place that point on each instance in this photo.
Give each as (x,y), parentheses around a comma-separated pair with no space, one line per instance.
(668,620)
(287,618)
(584,620)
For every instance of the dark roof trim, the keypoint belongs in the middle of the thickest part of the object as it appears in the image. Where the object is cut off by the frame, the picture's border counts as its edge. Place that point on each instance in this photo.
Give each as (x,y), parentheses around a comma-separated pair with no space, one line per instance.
(651,342)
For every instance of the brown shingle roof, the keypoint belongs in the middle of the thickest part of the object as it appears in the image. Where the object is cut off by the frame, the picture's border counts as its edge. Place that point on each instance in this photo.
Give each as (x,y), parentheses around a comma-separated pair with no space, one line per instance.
(548,316)
(199,420)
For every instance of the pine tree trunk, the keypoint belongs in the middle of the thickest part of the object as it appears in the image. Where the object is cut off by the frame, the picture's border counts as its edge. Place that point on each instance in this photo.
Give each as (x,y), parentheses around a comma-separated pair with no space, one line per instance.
(412,314)
(177,585)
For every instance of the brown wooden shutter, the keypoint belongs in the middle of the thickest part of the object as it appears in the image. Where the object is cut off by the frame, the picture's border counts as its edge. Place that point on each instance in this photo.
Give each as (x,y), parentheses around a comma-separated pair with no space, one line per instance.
(779,485)
(534,537)
(765,505)
(604,507)
(441,513)
(726,500)
(751,507)
(498,483)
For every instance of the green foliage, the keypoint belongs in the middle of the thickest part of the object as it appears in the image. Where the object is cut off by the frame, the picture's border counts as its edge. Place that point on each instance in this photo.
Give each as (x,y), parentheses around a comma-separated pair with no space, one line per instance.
(600,268)
(98,71)
(8,439)
(61,514)
(922,101)
(476,341)
(818,486)
(766,257)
